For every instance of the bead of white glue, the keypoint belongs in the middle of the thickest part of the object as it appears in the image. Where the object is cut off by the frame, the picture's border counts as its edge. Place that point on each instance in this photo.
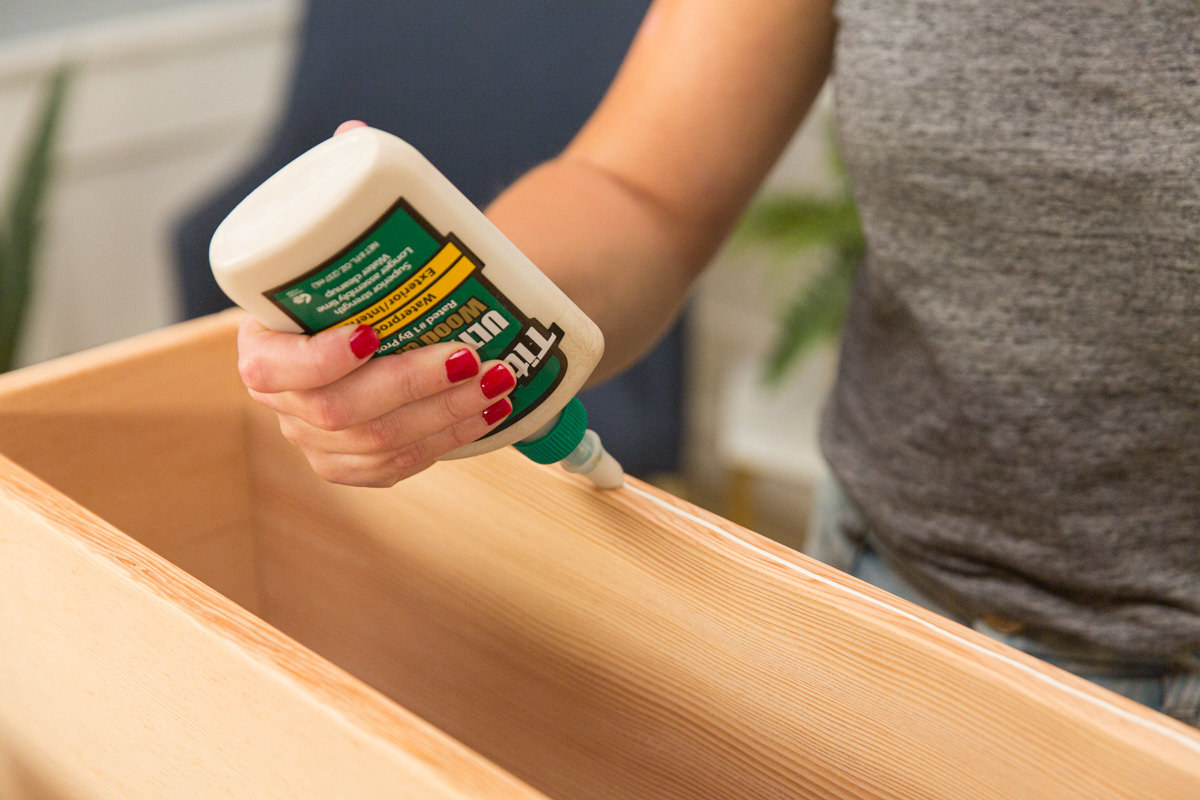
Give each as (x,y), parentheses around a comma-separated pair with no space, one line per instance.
(591,460)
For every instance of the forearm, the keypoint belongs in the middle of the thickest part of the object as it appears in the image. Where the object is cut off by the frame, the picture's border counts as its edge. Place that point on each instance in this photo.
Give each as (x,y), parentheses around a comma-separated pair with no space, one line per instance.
(623,221)
(631,213)
(622,256)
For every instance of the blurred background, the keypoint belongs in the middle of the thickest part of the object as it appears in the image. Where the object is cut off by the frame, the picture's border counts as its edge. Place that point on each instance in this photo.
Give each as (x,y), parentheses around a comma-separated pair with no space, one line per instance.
(171,110)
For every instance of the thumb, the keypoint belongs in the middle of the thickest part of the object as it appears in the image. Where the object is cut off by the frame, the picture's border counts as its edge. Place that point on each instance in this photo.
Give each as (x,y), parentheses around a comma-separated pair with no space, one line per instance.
(274,361)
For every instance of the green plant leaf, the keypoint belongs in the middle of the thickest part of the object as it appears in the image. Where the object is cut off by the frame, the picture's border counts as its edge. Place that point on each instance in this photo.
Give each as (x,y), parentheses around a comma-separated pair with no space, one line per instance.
(793,221)
(815,315)
(19,239)
(789,223)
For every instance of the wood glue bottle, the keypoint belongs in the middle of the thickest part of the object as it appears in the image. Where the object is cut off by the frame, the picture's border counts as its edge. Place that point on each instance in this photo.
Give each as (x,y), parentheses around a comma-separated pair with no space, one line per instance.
(362,229)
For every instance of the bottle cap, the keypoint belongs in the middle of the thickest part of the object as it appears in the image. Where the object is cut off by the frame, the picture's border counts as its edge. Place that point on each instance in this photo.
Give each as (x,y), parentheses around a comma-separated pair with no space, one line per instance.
(562,439)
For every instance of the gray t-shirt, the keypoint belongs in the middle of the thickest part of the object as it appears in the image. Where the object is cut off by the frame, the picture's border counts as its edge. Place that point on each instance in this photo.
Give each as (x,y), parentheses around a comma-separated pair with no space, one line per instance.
(1017,410)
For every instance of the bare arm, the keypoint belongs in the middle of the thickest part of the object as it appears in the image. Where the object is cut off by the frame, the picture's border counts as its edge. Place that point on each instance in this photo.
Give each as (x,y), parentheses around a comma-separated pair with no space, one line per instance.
(628,216)
(624,220)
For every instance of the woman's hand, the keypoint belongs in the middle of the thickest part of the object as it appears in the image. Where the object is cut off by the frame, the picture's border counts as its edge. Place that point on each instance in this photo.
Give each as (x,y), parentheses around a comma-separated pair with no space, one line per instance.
(371,422)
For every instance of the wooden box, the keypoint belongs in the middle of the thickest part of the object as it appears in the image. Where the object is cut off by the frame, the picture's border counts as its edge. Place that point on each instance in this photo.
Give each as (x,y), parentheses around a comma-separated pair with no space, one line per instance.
(186,612)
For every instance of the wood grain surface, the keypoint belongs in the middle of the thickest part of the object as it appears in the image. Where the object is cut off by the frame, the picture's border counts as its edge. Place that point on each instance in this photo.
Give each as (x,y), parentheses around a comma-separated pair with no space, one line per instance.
(580,644)
(121,676)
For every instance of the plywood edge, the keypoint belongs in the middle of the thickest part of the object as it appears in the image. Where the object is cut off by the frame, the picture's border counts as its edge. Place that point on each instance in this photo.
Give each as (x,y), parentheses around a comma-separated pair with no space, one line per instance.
(217,329)
(385,745)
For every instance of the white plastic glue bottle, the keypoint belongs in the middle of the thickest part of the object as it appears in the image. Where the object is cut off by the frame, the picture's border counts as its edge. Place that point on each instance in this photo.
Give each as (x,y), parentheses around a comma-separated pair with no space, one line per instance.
(362,229)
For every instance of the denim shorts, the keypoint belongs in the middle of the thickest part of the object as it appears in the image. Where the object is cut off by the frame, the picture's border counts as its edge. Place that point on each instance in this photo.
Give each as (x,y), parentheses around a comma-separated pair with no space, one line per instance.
(839,537)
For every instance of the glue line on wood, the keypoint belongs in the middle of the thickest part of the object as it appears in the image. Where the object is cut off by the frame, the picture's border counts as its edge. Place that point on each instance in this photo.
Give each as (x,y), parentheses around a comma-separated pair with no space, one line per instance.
(1044,677)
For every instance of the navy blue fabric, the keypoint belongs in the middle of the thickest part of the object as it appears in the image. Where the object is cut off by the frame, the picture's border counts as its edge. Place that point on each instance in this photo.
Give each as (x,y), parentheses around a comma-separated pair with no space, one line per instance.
(485,91)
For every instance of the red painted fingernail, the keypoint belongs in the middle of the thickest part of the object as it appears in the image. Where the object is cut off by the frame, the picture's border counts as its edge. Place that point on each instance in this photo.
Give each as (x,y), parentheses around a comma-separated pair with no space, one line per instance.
(364,341)
(497,411)
(461,365)
(349,125)
(496,381)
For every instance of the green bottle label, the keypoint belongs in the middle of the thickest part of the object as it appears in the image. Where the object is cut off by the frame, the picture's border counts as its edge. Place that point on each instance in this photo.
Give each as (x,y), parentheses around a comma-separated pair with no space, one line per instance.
(416,287)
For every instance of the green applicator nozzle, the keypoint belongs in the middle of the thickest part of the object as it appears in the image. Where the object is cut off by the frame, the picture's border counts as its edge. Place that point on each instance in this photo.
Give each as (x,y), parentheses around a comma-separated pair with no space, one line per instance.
(568,441)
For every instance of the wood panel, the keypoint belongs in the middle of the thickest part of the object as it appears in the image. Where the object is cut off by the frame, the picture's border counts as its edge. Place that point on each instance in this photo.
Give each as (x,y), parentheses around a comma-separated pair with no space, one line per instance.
(148,433)
(626,645)
(591,644)
(121,676)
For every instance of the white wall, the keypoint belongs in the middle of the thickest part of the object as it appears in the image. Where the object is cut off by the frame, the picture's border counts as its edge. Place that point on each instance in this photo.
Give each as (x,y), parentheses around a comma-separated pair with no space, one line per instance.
(167,100)
(21,18)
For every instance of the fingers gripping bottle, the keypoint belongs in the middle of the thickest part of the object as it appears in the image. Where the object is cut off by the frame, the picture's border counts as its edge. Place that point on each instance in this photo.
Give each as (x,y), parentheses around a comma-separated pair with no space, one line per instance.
(362,229)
